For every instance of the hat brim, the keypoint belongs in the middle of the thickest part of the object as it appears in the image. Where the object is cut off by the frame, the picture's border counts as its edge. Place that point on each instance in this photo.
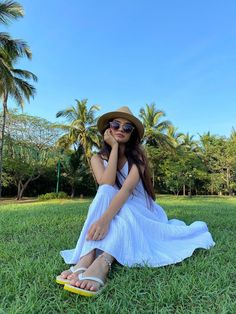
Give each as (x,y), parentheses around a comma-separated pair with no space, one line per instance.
(105,118)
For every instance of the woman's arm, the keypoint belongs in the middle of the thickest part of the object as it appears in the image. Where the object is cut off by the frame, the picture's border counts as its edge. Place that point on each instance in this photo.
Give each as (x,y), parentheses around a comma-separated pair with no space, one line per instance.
(121,197)
(106,175)
(98,230)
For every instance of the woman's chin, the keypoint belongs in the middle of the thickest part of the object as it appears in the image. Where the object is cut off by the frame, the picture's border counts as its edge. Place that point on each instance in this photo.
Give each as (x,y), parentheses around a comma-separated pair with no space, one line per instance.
(120,139)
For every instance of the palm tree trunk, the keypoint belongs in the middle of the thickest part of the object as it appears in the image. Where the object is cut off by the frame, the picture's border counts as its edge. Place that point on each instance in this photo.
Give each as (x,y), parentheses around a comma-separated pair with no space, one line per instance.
(5,96)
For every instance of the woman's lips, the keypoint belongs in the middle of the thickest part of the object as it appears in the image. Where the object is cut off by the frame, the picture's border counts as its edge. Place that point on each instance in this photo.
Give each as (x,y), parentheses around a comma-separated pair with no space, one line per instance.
(120,135)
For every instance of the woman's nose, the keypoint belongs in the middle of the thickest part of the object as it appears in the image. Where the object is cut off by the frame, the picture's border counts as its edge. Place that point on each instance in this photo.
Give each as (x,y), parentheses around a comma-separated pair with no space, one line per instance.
(121,128)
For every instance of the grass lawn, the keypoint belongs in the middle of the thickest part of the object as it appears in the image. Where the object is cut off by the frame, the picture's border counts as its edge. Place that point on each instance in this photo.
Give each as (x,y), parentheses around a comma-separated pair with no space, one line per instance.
(32,234)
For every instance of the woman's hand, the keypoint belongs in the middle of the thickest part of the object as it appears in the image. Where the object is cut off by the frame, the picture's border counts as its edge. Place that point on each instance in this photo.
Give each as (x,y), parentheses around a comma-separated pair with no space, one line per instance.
(98,230)
(109,138)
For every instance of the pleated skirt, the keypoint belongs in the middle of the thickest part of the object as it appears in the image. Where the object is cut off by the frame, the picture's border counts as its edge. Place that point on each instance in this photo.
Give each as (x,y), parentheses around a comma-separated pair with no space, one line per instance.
(138,235)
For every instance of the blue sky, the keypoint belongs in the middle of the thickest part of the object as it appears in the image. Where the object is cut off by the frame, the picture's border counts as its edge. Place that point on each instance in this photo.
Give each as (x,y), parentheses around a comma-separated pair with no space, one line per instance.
(179,54)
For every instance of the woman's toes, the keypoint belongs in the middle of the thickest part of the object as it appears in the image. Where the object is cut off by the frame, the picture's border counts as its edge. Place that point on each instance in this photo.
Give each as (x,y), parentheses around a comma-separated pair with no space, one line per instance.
(84,284)
(72,276)
(79,283)
(88,286)
(93,287)
(72,282)
(64,274)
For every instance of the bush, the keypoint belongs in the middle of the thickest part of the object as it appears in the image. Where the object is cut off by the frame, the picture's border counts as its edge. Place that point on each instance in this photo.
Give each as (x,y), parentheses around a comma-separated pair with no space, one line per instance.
(52,195)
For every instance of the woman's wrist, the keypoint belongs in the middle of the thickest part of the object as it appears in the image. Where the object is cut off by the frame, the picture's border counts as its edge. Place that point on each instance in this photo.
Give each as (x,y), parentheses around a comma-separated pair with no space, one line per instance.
(106,218)
(115,145)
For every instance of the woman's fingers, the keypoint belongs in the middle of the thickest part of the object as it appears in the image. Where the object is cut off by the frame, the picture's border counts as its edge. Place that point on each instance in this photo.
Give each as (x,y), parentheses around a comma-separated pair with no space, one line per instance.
(109,138)
(101,236)
(90,233)
(97,231)
(96,235)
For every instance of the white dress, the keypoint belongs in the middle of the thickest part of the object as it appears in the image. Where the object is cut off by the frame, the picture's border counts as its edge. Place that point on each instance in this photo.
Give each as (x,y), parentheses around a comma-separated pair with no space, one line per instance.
(140,233)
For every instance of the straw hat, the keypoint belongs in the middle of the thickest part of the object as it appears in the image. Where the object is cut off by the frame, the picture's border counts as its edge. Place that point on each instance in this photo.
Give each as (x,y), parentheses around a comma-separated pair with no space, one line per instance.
(123,112)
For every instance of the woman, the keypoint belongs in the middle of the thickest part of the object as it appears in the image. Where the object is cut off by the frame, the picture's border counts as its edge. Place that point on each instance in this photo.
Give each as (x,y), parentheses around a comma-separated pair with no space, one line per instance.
(123,222)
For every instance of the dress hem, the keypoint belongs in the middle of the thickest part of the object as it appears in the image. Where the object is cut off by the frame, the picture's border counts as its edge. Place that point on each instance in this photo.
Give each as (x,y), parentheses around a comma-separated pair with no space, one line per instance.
(142,264)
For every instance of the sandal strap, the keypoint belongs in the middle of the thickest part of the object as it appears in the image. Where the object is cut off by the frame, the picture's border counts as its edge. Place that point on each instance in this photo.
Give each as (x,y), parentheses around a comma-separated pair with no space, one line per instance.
(75,270)
(91,278)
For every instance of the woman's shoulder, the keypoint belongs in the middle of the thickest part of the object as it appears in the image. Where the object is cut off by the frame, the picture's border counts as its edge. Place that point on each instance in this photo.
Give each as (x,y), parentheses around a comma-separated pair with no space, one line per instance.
(96,162)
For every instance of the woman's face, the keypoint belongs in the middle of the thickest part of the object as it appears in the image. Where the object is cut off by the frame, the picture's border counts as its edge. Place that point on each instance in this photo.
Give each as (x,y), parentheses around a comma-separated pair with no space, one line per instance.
(121,129)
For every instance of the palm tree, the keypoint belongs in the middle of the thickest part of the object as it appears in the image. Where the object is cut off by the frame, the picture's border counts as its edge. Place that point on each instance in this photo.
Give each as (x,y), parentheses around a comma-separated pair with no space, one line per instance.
(175,137)
(155,130)
(81,129)
(16,86)
(10,10)
(188,143)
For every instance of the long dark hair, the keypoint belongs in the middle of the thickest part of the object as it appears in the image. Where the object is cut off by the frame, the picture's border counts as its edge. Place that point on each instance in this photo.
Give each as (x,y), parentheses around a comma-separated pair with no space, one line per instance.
(135,154)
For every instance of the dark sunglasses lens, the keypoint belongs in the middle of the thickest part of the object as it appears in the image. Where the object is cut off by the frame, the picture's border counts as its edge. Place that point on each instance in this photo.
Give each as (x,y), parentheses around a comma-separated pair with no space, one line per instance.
(127,128)
(114,125)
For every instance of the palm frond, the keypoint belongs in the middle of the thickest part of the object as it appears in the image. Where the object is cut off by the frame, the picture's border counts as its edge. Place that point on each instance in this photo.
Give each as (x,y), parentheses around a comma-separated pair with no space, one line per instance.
(25,74)
(14,47)
(24,88)
(6,75)
(10,10)
(67,113)
(17,95)
(163,126)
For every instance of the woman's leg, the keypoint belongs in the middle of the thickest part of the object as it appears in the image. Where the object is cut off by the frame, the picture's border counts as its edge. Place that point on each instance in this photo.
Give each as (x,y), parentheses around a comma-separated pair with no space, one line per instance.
(85,262)
(99,268)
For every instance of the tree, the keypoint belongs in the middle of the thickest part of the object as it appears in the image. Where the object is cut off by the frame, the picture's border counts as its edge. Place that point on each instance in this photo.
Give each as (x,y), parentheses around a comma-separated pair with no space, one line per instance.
(81,128)
(218,154)
(10,10)
(16,87)
(176,138)
(155,130)
(155,136)
(74,168)
(13,81)
(174,179)
(30,147)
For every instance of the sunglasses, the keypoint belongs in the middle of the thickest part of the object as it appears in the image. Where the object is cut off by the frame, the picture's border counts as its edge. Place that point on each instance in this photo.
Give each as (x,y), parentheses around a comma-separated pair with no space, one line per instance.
(127,127)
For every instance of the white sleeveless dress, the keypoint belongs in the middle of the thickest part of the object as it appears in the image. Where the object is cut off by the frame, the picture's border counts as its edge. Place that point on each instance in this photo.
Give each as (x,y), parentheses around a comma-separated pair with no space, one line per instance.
(140,233)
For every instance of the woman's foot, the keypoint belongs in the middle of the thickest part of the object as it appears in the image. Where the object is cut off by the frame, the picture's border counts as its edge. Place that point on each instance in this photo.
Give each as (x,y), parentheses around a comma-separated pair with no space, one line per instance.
(99,269)
(84,262)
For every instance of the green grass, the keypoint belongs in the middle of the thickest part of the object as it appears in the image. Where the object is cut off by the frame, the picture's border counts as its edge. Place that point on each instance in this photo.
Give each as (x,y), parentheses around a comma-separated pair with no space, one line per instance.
(31,236)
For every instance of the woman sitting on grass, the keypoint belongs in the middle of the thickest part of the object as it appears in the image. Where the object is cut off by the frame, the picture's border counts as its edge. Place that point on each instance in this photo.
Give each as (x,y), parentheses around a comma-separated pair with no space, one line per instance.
(124,223)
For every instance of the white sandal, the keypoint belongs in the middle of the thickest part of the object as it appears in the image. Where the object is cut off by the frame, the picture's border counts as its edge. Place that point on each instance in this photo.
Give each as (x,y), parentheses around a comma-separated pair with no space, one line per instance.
(63,281)
(87,293)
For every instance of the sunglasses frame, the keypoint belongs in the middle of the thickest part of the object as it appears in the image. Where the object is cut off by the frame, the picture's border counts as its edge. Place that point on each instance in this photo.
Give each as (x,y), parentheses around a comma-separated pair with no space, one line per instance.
(123,126)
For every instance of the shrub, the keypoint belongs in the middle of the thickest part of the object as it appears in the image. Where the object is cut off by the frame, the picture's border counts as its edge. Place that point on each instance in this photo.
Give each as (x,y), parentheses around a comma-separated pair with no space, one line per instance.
(52,195)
